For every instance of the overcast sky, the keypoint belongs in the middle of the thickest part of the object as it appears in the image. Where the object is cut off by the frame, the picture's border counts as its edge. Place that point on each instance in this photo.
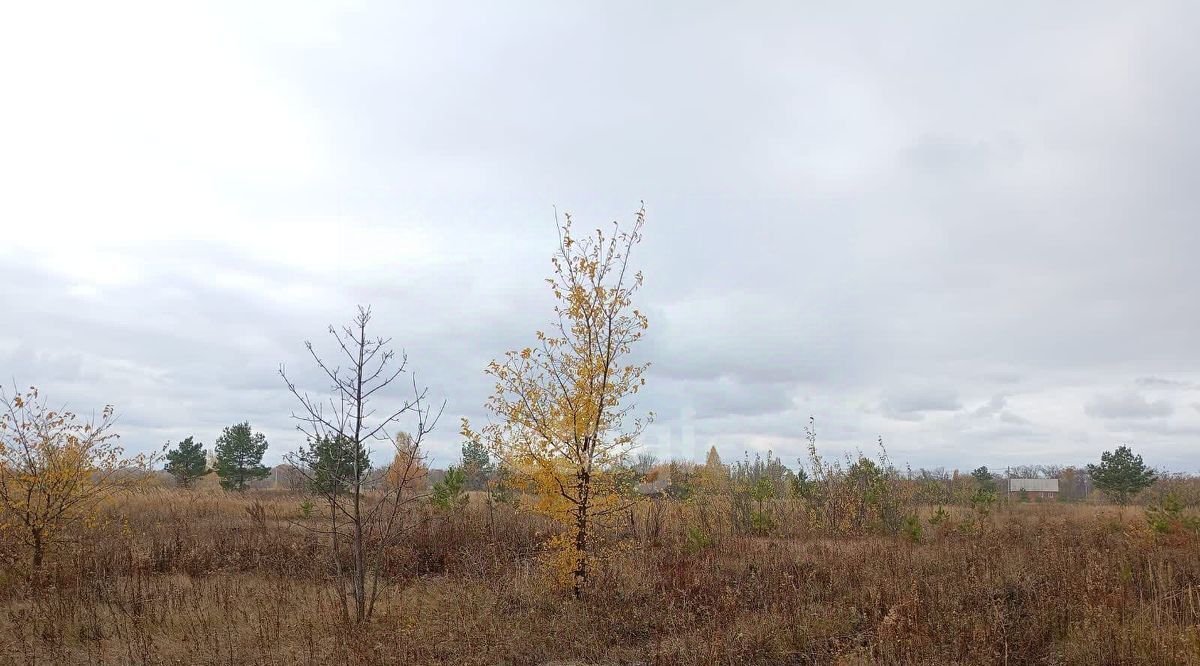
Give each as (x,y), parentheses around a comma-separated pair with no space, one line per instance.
(969,228)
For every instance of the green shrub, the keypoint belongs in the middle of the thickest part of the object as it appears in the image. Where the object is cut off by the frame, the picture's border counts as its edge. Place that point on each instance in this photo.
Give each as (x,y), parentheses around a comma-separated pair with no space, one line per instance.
(911,528)
(1167,517)
(982,501)
(449,492)
(697,540)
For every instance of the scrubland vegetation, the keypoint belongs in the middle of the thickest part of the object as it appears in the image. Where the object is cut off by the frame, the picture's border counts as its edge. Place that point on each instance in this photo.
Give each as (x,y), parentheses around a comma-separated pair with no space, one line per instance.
(204,576)
(554,541)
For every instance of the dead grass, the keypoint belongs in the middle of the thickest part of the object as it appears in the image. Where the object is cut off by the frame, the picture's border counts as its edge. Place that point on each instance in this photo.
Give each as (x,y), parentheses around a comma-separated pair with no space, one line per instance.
(177,577)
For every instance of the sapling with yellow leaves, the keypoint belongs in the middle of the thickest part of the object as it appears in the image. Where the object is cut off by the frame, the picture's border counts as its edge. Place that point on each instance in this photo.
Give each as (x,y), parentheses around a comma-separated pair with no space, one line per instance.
(563,407)
(56,469)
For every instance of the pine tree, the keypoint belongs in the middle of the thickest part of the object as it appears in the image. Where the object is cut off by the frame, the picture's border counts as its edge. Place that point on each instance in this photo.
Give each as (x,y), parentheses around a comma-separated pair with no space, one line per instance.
(239,455)
(476,464)
(1121,474)
(987,481)
(333,464)
(187,462)
(448,493)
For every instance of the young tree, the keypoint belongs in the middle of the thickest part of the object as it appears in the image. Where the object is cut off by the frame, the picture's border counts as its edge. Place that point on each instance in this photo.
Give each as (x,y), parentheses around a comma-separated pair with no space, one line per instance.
(562,404)
(448,493)
(332,464)
(644,462)
(476,464)
(1121,474)
(987,481)
(55,469)
(801,485)
(239,455)
(187,462)
(363,526)
(714,476)
(407,471)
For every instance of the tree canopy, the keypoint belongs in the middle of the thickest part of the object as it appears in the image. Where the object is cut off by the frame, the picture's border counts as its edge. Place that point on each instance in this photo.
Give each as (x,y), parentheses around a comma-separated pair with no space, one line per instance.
(56,469)
(1121,474)
(187,462)
(239,453)
(564,403)
(987,480)
(333,463)
(476,464)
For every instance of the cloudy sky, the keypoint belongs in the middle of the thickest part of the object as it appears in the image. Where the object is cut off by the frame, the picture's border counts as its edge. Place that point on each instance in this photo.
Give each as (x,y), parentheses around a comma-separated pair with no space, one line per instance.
(969,228)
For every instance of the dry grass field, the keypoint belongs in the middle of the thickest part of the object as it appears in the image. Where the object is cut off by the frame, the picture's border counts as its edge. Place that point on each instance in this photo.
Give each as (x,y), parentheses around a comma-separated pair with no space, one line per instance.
(205,577)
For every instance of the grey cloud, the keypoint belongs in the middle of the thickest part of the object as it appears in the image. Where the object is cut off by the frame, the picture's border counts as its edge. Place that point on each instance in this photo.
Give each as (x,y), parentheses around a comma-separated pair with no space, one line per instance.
(995,408)
(1015,419)
(913,404)
(944,155)
(1006,431)
(831,225)
(992,407)
(1128,405)
(1139,429)
(25,360)
(722,397)
(1160,382)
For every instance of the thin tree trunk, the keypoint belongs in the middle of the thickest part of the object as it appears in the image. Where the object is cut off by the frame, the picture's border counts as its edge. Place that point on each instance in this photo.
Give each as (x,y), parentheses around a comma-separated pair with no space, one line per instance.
(360,571)
(581,525)
(337,564)
(369,532)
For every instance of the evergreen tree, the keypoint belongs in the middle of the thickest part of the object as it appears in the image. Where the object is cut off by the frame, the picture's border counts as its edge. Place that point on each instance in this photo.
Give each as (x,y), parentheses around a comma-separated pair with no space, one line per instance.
(332,464)
(187,462)
(239,455)
(1121,474)
(987,481)
(802,486)
(476,464)
(448,493)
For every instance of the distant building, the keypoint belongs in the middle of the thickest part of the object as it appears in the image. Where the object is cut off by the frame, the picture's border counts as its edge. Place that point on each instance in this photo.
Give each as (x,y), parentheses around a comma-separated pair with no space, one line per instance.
(1034,489)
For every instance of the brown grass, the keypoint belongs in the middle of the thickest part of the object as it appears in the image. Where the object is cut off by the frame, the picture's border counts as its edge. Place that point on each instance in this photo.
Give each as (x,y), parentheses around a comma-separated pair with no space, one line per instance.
(178,577)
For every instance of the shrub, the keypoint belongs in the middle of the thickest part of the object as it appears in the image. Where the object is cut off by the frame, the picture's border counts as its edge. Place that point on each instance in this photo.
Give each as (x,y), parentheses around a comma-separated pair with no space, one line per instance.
(1167,517)
(912,528)
(697,540)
